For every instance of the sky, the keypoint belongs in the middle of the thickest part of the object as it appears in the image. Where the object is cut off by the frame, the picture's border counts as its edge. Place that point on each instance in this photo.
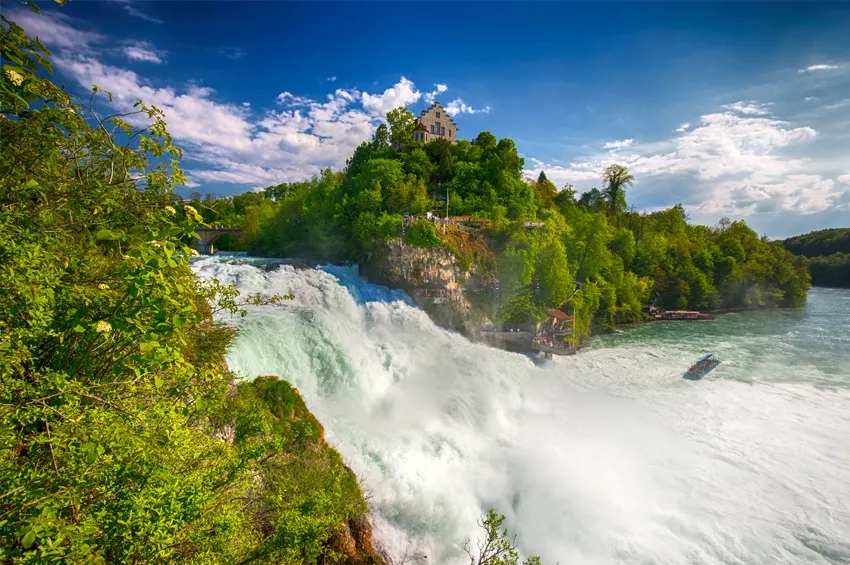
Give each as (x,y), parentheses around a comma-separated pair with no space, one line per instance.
(738,109)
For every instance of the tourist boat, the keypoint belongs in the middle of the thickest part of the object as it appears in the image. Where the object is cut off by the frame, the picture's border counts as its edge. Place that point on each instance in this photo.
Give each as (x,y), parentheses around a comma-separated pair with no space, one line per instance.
(701,368)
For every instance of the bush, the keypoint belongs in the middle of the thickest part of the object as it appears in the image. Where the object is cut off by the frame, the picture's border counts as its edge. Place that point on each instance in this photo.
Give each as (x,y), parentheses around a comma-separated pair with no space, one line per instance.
(422,234)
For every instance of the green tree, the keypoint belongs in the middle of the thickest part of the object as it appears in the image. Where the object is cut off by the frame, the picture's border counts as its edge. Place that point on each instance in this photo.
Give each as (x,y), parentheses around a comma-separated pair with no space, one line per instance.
(617,178)
(381,139)
(498,547)
(402,122)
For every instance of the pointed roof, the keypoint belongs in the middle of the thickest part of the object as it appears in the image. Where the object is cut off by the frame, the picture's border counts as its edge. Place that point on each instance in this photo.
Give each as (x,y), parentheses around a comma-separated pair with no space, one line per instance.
(438,106)
(420,125)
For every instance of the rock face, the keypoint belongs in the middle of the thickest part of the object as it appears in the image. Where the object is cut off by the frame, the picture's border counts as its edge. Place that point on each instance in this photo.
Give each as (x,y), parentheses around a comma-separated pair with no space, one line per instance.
(433,277)
(354,542)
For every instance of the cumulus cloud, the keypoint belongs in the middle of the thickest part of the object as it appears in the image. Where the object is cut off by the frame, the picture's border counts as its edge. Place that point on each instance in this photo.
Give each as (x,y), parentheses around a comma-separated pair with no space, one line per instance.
(224,141)
(816,68)
(458,106)
(733,162)
(228,142)
(402,93)
(290,99)
(429,97)
(618,144)
(684,127)
(845,178)
(143,51)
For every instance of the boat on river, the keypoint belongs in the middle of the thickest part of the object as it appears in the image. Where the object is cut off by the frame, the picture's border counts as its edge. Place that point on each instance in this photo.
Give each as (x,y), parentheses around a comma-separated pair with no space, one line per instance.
(701,368)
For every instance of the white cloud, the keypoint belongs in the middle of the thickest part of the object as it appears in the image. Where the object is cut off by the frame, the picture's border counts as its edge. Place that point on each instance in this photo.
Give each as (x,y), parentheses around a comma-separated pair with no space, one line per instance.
(234,143)
(749,108)
(289,99)
(458,106)
(402,93)
(845,178)
(684,127)
(139,14)
(815,68)
(733,162)
(809,98)
(618,144)
(430,97)
(331,79)
(54,29)
(143,51)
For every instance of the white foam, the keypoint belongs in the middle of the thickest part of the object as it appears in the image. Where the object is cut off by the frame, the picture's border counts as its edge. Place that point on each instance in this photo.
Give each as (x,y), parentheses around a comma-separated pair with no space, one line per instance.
(606,457)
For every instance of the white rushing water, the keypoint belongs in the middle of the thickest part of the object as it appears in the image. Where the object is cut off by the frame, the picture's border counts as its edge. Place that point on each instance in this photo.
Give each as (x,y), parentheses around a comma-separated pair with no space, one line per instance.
(605,457)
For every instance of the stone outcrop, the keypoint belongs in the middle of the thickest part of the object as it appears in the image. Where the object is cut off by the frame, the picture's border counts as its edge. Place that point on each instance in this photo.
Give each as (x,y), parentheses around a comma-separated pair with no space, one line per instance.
(433,277)
(354,541)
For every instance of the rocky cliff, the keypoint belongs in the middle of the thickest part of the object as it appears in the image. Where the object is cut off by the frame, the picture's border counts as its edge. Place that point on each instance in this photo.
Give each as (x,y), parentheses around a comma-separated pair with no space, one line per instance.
(437,280)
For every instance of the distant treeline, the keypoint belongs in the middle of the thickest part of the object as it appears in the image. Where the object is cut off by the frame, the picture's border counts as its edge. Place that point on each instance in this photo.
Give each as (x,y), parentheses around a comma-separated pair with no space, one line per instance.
(827,253)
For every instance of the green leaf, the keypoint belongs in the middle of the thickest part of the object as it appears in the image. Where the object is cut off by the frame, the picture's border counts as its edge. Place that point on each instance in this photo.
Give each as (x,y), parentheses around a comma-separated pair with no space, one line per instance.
(146,346)
(91,457)
(33,7)
(61,2)
(105,234)
(29,537)
(157,381)
(79,329)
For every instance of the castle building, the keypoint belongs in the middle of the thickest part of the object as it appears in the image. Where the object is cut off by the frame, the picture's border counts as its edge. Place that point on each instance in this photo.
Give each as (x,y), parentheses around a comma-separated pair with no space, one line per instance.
(435,123)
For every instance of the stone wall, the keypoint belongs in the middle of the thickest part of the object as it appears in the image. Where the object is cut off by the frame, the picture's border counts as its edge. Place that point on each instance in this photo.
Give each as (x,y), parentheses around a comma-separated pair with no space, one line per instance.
(430,119)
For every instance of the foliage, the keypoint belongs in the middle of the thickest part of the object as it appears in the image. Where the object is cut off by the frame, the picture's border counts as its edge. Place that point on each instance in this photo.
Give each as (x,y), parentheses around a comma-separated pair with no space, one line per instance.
(832,270)
(421,233)
(402,122)
(123,437)
(827,253)
(616,178)
(820,243)
(498,547)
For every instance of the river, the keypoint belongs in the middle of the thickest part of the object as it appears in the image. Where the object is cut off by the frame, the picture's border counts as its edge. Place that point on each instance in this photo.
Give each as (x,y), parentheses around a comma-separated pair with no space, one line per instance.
(605,457)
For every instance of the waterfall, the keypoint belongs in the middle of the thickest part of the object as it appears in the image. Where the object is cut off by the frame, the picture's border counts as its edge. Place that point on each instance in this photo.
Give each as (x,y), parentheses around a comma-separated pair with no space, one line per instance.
(606,457)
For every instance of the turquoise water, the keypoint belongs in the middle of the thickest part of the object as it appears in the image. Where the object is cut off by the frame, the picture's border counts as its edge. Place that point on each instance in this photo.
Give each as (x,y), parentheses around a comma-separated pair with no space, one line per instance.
(607,457)
(809,345)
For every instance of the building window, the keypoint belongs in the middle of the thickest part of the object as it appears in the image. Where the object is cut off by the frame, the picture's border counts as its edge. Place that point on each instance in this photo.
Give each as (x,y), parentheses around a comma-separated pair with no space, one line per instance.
(438,115)
(442,131)
(432,129)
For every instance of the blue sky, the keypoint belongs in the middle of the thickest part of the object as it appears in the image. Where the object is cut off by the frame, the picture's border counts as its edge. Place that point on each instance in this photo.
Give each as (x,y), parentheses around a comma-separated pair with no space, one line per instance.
(737,109)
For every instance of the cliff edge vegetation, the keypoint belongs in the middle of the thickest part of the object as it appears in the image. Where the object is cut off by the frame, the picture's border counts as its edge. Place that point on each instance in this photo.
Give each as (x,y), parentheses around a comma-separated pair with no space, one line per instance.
(123,437)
